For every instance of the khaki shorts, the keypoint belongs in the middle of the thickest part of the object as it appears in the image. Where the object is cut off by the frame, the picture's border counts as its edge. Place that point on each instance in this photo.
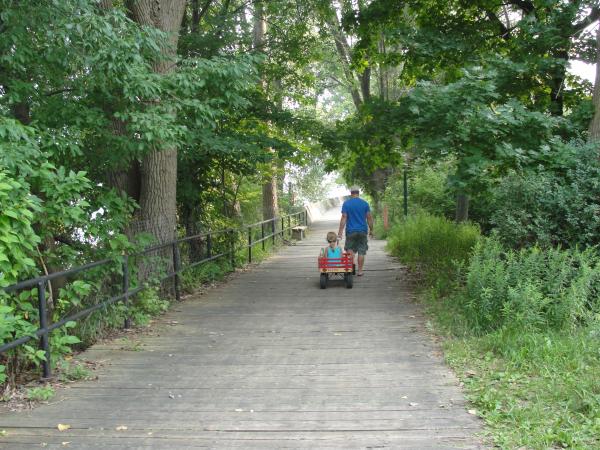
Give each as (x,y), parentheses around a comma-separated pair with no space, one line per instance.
(357,242)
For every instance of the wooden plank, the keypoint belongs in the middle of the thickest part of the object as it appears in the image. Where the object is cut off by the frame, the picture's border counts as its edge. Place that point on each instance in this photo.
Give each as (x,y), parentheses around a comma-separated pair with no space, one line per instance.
(268,360)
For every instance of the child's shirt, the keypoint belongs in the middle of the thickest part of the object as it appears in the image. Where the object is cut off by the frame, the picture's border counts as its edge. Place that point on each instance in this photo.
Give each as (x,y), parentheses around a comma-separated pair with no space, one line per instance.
(334,252)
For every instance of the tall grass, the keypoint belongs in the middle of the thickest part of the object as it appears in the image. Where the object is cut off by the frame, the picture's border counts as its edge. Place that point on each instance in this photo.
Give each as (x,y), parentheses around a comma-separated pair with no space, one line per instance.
(523,329)
(531,289)
(433,245)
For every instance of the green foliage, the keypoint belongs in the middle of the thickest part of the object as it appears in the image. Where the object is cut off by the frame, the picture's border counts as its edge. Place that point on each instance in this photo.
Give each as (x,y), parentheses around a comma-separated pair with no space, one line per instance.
(530,289)
(433,245)
(551,205)
(73,371)
(534,390)
(146,305)
(40,394)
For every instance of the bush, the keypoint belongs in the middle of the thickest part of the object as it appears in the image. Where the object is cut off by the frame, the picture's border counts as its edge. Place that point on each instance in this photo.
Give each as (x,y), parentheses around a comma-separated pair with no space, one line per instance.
(549,207)
(532,289)
(428,192)
(433,244)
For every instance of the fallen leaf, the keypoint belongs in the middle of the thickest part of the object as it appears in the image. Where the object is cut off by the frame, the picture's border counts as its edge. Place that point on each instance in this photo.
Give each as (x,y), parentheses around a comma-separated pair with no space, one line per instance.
(472,412)
(413,404)
(121,428)
(66,443)
(405,396)
(470,373)
(63,427)
(238,410)
(2,432)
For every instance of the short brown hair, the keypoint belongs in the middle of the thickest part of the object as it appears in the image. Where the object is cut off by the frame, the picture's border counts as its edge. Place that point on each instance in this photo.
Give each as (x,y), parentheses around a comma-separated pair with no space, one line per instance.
(331,236)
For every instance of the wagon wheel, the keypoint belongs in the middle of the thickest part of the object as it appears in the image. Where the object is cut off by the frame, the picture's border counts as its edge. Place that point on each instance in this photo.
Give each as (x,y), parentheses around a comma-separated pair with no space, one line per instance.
(349,280)
(323,280)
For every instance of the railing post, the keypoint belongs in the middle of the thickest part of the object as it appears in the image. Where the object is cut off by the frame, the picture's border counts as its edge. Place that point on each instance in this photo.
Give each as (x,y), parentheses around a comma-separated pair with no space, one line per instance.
(232,246)
(282,229)
(273,230)
(262,235)
(126,290)
(249,245)
(208,246)
(176,268)
(45,342)
(290,227)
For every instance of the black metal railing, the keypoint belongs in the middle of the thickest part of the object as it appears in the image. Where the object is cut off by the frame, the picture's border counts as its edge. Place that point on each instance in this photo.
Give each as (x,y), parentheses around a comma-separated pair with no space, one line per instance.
(230,243)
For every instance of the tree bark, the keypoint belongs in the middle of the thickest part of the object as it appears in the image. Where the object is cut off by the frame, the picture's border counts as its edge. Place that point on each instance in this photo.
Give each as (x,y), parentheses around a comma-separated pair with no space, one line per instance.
(365,84)
(158,168)
(269,187)
(594,130)
(462,207)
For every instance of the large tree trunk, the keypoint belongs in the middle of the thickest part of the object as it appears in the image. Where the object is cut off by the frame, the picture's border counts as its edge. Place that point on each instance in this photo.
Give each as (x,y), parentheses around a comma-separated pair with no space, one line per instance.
(269,187)
(159,167)
(594,135)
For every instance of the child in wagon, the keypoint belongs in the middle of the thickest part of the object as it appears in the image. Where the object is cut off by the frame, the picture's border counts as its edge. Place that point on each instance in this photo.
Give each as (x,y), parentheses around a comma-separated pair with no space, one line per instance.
(333,250)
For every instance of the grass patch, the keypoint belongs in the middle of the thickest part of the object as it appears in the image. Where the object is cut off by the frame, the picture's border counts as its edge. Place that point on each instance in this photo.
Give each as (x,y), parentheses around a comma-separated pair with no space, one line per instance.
(73,372)
(40,394)
(522,331)
(535,390)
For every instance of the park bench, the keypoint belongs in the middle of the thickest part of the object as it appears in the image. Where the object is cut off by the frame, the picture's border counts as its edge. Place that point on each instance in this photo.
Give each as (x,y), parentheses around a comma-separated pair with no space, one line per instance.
(298,232)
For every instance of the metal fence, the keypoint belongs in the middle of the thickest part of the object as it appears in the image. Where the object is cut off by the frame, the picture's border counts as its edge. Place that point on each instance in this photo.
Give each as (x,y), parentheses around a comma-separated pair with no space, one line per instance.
(216,245)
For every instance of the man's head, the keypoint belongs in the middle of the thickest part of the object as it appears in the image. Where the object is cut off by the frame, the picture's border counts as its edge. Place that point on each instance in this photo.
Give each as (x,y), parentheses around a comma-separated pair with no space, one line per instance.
(354,191)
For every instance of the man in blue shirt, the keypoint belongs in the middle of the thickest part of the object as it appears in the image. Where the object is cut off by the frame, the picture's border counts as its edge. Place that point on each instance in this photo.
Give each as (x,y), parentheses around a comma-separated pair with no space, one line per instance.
(356,215)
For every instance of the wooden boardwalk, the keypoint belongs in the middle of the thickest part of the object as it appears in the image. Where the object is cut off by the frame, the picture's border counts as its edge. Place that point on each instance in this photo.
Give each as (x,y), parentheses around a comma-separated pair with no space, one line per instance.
(268,361)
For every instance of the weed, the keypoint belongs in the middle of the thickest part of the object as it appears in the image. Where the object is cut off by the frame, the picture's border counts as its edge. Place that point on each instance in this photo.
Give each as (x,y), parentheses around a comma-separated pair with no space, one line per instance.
(73,372)
(40,394)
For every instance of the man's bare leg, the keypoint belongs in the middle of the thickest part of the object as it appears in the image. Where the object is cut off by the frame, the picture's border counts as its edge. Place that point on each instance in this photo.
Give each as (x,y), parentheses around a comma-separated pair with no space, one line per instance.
(361,263)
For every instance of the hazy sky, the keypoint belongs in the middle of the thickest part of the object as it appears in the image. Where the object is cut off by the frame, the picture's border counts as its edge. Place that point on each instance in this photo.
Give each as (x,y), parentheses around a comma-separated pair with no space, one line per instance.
(587,71)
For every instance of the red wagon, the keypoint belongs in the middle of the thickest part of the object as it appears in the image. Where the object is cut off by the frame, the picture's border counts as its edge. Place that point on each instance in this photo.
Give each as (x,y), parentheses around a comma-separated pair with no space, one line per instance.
(336,267)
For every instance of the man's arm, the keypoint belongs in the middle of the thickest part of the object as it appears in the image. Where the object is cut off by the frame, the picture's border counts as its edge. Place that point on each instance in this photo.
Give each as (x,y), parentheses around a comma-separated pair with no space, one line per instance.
(370,222)
(342,224)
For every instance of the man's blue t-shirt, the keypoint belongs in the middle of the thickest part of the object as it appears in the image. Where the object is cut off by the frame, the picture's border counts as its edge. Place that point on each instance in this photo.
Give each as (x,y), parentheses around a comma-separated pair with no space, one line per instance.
(356,209)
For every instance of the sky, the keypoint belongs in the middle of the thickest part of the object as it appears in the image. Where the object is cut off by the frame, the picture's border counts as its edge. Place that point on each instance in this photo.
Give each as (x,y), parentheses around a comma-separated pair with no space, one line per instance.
(586,71)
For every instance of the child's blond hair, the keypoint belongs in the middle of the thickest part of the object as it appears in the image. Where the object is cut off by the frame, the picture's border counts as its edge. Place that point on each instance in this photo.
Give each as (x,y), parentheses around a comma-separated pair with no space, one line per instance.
(331,237)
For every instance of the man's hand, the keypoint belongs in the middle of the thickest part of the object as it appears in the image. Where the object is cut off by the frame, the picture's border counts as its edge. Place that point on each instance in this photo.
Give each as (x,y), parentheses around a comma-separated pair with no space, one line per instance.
(371,234)
(340,234)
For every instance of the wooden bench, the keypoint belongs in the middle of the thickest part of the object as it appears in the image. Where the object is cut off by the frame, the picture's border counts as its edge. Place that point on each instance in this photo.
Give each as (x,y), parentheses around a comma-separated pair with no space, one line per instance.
(298,232)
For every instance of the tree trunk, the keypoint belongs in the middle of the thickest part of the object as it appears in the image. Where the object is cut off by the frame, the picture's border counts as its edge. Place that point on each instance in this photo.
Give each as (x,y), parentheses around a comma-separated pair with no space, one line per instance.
(462,207)
(269,194)
(344,54)
(193,227)
(365,84)
(557,84)
(269,187)
(594,130)
(159,168)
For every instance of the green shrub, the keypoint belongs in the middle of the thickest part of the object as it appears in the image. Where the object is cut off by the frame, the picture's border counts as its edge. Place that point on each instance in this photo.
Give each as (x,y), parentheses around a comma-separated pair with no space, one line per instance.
(434,245)
(533,288)
(550,206)
(429,191)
